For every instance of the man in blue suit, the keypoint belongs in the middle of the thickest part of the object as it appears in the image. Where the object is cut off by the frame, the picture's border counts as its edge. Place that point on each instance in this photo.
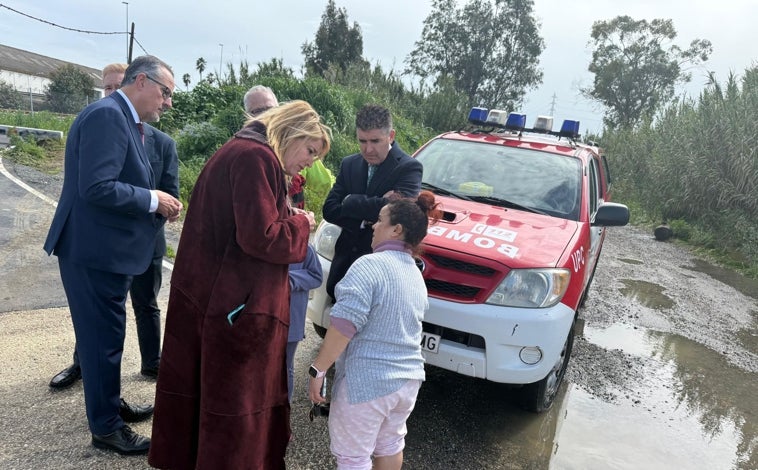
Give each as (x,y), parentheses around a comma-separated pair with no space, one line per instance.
(368,180)
(103,234)
(161,150)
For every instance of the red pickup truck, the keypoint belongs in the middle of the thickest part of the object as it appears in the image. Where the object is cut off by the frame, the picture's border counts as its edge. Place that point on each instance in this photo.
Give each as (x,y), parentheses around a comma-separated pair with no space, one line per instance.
(511,262)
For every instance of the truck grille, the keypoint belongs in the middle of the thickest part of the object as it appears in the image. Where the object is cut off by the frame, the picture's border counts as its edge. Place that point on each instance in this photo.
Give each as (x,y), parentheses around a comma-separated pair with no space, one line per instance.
(458,265)
(451,289)
(463,278)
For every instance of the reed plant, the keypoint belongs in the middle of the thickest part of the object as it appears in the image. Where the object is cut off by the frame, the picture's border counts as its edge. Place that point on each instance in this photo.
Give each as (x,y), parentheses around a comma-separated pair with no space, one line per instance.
(697,164)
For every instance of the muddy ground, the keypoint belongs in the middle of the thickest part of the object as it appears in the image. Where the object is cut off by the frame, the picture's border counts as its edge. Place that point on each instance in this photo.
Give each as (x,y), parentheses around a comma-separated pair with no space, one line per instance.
(663,374)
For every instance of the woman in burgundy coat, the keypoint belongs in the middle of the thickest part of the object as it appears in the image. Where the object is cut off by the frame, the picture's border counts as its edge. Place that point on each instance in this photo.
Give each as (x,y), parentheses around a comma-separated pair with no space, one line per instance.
(221,397)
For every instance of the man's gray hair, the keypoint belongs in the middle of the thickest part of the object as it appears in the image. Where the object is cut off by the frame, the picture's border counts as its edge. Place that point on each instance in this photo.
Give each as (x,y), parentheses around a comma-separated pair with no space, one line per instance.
(147,64)
(256,90)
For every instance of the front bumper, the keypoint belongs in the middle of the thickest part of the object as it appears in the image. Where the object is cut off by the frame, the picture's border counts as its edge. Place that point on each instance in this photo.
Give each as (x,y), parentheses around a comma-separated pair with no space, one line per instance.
(505,331)
(481,340)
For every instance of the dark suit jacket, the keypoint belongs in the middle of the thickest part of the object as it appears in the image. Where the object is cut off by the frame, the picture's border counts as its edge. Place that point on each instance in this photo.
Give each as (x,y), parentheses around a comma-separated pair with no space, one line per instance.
(161,149)
(102,220)
(350,202)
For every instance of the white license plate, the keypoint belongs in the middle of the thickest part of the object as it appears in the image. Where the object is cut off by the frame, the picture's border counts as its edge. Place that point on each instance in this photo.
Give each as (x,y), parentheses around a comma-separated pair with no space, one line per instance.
(430,342)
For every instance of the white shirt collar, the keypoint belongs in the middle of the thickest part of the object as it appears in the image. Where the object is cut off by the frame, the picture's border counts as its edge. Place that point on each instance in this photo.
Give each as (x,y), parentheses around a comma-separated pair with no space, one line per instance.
(131,107)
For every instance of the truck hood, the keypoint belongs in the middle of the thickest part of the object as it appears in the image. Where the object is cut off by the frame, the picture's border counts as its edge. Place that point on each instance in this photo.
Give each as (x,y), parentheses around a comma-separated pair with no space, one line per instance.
(515,238)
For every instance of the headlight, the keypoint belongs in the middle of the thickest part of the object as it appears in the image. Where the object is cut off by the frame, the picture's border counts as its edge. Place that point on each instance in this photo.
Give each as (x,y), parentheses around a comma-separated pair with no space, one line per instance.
(531,288)
(325,238)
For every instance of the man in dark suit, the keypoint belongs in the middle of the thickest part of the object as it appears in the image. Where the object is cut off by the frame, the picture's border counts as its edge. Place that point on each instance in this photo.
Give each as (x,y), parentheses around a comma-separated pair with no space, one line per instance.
(161,150)
(367,181)
(103,234)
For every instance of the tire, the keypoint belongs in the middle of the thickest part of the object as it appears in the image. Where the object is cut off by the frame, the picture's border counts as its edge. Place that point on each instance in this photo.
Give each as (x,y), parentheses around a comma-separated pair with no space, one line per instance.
(539,396)
(320,330)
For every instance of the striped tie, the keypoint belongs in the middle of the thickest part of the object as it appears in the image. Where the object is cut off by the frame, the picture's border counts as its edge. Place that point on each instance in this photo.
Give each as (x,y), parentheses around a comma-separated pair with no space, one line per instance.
(371,171)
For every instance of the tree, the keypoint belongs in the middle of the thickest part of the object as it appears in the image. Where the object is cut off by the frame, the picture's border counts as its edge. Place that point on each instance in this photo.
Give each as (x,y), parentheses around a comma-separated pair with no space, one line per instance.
(187,80)
(335,43)
(9,97)
(489,48)
(273,68)
(70,89)
(637,67)
(200,66)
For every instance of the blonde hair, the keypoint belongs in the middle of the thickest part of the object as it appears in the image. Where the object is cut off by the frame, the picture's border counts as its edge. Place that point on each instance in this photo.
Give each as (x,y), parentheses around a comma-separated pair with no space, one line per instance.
(290,122)
(114,68)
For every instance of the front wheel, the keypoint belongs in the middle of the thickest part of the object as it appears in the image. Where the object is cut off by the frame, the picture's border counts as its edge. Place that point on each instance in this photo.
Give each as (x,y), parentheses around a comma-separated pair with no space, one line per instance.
(539,396)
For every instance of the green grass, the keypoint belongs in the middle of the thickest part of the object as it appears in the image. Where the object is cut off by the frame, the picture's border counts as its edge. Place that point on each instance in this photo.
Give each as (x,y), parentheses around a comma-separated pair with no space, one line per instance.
(38,120)
(45,156)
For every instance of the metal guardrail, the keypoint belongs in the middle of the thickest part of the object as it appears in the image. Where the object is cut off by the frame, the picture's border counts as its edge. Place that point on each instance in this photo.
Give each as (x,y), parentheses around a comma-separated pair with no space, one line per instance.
(39,134)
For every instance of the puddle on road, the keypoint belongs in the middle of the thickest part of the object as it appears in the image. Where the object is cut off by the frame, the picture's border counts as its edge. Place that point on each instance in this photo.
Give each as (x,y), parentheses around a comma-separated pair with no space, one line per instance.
(648,294)
(747,286)
(695,410)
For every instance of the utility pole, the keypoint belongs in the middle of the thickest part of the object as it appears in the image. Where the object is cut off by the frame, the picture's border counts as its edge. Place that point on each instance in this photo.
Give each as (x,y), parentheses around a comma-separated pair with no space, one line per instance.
(131,46)
(127,31)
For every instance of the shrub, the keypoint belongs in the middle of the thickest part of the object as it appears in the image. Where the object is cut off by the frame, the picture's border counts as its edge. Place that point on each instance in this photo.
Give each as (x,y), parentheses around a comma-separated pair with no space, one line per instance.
(199,140)
(682,230)
(25,148)
(230,119)
(9,97)
(189,170)
(70,89)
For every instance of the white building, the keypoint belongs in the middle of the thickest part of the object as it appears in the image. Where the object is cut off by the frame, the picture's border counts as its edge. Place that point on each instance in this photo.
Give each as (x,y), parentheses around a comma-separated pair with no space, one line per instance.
(29,73)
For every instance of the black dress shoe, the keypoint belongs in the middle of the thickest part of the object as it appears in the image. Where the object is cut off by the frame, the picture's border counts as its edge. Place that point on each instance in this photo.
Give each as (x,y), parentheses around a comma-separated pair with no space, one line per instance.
(124,441)
(134,413)
(66,377)
(150,372)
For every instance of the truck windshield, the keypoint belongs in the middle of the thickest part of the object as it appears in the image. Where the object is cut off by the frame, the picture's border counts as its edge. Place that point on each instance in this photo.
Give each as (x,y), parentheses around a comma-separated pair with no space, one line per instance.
(538,181)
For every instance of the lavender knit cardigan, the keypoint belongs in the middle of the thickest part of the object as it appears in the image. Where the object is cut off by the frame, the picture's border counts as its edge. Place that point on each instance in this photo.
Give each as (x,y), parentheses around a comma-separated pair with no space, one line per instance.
(383,294)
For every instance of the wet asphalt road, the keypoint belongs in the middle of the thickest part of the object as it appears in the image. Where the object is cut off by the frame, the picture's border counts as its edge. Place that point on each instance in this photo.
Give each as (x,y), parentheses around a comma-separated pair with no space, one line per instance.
(615,411)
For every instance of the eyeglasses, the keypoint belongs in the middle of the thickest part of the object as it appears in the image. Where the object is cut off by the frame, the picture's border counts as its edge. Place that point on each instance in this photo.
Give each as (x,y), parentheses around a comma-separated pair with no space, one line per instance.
(255,112)
(165,91)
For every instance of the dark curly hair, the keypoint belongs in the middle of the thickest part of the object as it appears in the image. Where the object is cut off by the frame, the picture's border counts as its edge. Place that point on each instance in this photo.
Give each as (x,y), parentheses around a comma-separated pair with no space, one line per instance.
(414,215)
(373,116)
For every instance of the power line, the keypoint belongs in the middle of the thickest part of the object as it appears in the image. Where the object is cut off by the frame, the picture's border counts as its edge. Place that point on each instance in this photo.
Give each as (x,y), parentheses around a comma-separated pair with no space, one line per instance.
(57,25)
(72,29)
(140,45)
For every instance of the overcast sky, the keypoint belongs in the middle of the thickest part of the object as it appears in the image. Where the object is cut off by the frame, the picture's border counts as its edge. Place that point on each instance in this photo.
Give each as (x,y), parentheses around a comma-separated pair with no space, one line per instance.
(181,31)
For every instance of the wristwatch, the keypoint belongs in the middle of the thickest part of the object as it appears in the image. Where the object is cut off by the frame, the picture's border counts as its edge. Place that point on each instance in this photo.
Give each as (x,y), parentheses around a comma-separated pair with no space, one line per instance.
(315,373)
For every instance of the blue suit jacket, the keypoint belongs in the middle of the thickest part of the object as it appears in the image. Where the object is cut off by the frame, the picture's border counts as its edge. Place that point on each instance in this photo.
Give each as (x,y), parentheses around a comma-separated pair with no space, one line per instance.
(102,220)
(161,150)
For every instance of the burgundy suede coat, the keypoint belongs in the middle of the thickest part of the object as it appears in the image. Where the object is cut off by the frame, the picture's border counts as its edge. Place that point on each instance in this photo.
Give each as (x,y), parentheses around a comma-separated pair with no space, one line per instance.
(221,397)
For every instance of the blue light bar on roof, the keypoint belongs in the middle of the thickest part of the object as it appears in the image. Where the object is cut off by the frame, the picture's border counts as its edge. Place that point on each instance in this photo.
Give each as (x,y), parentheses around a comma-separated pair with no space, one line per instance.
(478,115)
(569,129)
(515,122)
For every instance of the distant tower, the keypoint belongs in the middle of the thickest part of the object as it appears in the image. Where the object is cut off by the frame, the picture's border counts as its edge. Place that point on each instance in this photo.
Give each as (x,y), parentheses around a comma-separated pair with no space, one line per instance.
(552,106)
